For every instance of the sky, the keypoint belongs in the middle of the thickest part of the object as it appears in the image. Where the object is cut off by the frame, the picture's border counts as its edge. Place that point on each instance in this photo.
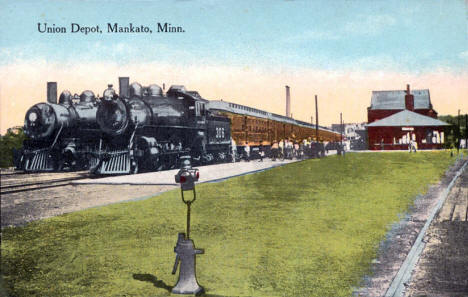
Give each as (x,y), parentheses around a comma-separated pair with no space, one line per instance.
(241,51)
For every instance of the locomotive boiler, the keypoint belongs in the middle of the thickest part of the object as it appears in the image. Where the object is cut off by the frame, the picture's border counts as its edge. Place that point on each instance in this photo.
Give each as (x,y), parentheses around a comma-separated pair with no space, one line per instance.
(146,130)
(59,135)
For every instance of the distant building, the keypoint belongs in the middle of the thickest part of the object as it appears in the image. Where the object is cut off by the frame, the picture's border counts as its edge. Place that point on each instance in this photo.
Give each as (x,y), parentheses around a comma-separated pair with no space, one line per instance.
(386,103)
(355,135)
(396,118)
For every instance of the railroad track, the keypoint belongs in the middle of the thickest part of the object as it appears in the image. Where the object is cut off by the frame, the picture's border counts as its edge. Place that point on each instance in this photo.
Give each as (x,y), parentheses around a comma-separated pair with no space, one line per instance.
(32,186)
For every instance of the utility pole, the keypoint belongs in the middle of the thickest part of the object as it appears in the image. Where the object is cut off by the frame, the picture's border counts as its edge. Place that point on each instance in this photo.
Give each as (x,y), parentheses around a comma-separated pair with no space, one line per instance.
(316,119)
(466,131)
(459,133)
(341,129)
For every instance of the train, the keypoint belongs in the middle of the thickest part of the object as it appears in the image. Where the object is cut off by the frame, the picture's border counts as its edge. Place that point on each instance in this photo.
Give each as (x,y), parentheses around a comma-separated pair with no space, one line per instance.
(145,128)
(60,135)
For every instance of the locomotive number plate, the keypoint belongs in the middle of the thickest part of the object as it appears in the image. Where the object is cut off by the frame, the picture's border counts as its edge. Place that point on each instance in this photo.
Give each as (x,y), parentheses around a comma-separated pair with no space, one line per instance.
(220,132)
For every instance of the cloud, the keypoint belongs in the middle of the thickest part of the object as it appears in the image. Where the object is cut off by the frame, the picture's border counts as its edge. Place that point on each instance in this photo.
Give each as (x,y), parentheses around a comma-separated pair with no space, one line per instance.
(370,25)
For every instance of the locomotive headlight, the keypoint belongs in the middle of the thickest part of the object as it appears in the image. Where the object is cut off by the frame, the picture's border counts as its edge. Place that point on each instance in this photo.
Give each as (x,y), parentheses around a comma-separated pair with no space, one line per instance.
(32,117)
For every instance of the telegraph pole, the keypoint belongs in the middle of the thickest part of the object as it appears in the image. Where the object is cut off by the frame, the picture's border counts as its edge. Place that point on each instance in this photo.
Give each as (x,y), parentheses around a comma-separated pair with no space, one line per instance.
(341,128)
(316,119)
(466,131)
(459,133)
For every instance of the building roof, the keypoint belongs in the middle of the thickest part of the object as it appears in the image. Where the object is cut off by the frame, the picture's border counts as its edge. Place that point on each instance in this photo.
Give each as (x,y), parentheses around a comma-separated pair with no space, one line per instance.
(407,118)
(396,99)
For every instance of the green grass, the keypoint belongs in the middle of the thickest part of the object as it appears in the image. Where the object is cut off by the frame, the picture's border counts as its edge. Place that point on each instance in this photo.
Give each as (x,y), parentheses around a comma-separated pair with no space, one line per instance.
(306,229)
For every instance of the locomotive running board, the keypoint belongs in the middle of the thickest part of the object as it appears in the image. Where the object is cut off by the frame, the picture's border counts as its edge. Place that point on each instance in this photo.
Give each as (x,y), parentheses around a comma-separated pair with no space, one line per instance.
(40,161)
(118,163)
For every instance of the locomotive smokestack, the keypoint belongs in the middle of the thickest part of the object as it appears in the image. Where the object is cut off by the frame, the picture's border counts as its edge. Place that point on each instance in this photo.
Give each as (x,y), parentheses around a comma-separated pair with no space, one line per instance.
(124,89)
(288,102)
(52,92)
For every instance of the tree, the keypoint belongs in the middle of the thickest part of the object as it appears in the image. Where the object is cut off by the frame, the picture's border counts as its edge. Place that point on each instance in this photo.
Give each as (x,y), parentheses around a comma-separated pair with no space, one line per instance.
(13,139)
(454,133)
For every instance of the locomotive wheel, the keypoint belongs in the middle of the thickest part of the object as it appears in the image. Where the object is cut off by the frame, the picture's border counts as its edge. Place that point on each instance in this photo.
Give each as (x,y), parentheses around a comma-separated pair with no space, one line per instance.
(59,165)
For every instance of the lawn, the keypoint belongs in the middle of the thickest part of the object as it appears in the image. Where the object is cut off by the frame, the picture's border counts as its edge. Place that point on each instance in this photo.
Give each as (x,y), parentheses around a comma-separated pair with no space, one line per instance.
(310,228)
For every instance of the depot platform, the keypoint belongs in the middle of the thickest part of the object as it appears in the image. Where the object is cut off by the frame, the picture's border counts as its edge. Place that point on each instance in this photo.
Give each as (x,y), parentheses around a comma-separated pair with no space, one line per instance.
(209,173)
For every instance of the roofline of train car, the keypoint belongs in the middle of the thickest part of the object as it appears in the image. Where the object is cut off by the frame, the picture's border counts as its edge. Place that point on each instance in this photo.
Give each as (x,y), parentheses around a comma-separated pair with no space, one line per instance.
(247,110)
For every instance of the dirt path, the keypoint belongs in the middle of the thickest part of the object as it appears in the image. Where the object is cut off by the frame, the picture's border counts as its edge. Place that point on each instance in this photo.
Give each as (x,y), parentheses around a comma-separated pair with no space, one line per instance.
(443,267)
(23,207)
(400,239)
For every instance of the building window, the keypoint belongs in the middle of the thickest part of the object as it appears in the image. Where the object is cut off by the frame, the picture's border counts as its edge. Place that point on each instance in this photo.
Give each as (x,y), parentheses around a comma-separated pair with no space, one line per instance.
(429,137)
(436,136)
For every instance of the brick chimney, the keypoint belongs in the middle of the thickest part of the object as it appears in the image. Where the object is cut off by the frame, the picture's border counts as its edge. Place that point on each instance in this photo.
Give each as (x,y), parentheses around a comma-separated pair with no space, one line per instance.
(409,99)
(288,102)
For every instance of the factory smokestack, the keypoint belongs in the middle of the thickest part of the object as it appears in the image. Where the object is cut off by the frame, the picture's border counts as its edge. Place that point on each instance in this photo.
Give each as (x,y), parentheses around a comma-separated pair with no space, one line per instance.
(288,102)
(52,92)
(316,120)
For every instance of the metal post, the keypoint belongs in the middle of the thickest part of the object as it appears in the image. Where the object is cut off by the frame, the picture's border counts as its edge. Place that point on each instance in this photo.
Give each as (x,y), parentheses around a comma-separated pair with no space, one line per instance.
(316,119)
(341,129)
(185,248)
(284,141)
(188,220)
(459,133)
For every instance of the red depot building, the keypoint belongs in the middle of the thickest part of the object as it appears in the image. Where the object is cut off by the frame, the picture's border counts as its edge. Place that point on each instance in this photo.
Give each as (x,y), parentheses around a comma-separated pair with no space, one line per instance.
(397,117)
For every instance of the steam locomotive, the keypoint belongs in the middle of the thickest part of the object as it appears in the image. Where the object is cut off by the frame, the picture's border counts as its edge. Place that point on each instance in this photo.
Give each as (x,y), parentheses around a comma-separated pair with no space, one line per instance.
(59,135)
(146,130)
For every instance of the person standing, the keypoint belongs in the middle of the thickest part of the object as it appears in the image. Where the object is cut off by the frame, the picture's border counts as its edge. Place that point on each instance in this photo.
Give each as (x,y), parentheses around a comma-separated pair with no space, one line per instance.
(261,153)
(281,149)
(233,150)
(274,150)
(247,151)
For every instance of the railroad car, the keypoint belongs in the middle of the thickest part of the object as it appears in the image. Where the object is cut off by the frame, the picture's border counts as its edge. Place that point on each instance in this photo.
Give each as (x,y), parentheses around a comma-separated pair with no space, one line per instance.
(260,129)
(59,135)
